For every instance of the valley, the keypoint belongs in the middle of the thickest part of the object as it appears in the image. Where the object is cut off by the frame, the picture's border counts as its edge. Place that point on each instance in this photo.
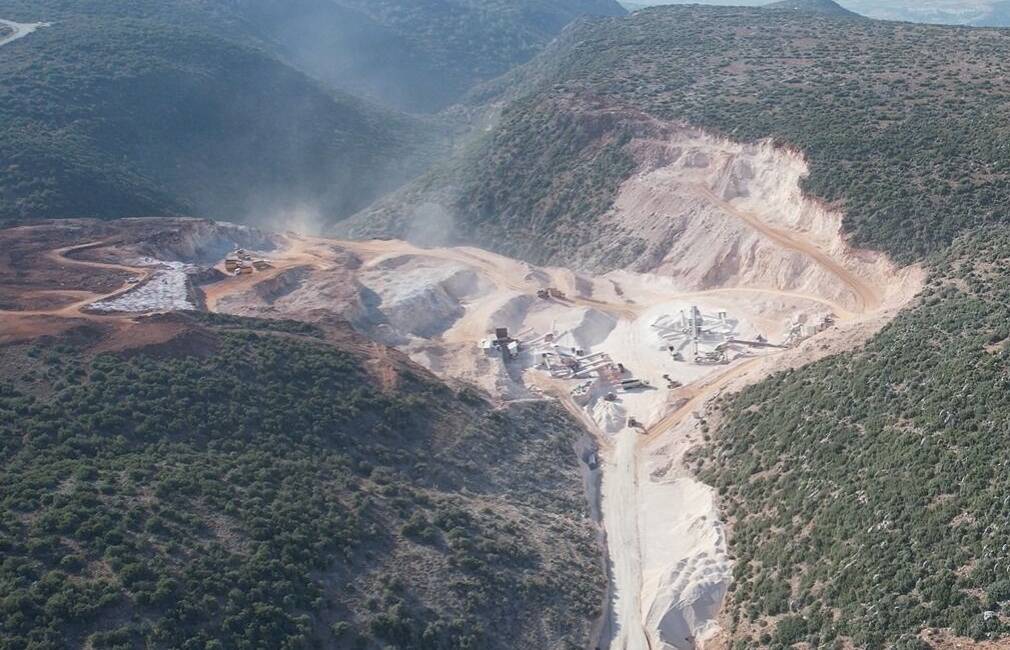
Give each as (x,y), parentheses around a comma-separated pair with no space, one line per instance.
(510,325)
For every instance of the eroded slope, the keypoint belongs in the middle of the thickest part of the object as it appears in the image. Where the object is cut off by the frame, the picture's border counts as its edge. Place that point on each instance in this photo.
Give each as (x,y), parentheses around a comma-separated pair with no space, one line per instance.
(702,210)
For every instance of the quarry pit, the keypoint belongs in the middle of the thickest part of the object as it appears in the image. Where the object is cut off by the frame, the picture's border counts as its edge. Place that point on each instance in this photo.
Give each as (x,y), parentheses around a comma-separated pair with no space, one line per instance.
(760,279)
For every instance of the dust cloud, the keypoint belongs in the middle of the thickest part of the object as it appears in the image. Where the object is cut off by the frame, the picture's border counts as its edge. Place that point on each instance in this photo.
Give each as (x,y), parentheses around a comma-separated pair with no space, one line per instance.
(431,225)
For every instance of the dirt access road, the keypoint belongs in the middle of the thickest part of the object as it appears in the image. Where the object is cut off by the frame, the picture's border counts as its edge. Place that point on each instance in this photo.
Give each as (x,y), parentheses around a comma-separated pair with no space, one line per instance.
(869,296)
(82,299)
(301,251)
(20,325)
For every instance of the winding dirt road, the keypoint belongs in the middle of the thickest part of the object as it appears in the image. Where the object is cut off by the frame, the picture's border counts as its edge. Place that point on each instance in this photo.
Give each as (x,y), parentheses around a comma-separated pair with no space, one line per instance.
(869,297)
(76,309)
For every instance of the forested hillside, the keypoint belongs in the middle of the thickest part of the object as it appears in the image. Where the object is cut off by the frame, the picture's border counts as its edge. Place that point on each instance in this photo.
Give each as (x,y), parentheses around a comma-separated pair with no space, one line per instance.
(418,56)
(263,484)
(904,125)
(415,57)
(868,492)
(240,110)
(112,117)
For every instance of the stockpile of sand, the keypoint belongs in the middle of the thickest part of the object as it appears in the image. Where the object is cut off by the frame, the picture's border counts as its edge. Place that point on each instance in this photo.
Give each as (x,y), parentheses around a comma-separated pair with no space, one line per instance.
(686,569)
(611,416)
(582,328)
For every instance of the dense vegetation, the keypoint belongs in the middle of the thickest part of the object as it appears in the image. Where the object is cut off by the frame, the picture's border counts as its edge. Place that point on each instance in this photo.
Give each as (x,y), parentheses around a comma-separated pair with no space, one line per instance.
(868,492)
(107,116)
(905,126)
(261,490)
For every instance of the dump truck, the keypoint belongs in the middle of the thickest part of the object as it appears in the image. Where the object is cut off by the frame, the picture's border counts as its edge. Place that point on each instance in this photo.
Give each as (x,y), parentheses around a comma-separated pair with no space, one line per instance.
(551,292)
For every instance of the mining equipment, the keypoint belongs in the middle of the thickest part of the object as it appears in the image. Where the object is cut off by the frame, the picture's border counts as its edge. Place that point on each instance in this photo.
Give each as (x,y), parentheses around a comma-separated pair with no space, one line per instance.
(798,331)
(241,262)
(582,392)
(570,362)
(693,323)
(694,329)
(503,344)
(551,292)
(759,342)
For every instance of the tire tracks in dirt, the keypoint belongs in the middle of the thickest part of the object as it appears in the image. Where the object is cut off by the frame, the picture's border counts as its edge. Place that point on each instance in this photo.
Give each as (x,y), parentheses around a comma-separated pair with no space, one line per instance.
(868,297)
(76,309)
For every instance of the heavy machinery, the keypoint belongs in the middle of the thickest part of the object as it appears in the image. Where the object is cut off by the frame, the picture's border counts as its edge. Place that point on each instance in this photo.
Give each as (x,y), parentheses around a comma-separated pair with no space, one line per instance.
(551,292)
(714,358)
(502,343)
